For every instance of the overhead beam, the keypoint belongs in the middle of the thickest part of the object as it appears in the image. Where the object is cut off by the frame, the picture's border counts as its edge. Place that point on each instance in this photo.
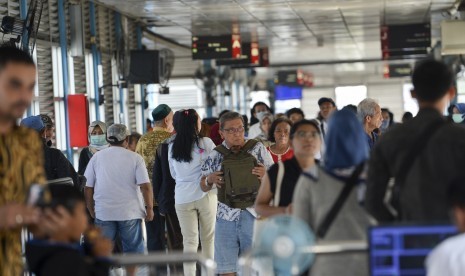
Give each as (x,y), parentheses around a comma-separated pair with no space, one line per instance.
(163,39)
(333,62)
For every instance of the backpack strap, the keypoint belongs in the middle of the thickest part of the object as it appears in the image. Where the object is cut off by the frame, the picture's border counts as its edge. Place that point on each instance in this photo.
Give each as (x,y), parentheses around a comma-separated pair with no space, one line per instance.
(247,146)
(341,199)
(392,200)
(250,144)
(279,182)
(223,150)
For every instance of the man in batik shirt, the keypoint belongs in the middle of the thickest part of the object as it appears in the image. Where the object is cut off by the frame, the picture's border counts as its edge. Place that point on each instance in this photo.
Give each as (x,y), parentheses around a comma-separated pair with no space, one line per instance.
(21,156)
(147,146)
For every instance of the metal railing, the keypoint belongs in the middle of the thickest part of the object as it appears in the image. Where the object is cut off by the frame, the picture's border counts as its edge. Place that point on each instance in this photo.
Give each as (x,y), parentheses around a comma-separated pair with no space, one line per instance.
(248,267)
(163,259)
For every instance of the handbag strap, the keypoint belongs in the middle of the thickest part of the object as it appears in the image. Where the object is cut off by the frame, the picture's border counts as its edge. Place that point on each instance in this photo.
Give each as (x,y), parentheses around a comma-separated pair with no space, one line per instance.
(279,184)
(331,215)
(392,195)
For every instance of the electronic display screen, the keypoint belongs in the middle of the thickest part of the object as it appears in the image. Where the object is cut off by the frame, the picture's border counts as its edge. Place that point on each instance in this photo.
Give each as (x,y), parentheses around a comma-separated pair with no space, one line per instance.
(212,47)
(282,92)
(401,250)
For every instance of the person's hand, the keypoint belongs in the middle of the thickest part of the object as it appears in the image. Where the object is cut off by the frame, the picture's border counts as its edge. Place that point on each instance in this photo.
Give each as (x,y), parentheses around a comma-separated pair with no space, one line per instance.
(17,215)
(150,214)
(53,222)
(216,178)
(259,171)
(91,212)
(101,246)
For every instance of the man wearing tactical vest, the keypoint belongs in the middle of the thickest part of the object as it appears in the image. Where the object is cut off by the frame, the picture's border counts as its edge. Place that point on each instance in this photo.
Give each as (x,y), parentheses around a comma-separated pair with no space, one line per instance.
(235,169)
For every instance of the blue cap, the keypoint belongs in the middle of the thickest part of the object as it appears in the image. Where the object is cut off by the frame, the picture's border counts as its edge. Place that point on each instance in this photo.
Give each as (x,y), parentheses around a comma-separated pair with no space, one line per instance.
(33,122)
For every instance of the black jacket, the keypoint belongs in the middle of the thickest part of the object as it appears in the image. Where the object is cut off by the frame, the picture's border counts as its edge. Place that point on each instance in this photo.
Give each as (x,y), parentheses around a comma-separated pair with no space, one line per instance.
(47,259)
(84,159)
(163,182)
(423,195)
(58,166)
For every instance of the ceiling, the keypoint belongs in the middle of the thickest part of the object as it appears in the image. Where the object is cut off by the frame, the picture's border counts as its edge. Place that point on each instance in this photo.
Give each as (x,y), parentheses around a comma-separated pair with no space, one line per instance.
(296,31)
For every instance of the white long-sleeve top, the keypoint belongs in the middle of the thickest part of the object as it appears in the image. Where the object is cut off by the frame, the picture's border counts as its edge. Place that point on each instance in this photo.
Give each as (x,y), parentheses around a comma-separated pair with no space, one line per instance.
(188,175)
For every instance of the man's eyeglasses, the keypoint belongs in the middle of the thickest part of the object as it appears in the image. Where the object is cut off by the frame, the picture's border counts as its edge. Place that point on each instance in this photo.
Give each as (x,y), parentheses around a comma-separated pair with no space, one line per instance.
(234,130)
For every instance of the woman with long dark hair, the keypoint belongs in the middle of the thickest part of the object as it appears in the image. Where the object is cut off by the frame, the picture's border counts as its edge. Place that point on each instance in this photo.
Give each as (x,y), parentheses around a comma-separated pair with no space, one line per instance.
(187,152)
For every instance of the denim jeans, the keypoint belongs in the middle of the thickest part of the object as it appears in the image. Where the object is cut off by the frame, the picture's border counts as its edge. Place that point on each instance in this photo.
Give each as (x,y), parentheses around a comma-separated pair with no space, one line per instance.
(130,232)
(232,239)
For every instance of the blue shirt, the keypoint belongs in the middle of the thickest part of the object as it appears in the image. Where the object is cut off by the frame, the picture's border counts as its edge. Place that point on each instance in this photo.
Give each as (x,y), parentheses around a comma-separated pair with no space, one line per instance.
(372,141)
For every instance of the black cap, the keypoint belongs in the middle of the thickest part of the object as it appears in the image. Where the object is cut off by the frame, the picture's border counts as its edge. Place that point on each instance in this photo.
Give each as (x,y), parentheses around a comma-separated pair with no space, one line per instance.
(326,100)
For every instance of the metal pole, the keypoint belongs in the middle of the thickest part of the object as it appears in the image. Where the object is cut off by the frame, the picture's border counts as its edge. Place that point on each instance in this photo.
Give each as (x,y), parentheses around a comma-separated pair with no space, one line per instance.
(23,16)
(95,58)
(64,63)
(142,86)
(207,65)
(238,96)
(119,33)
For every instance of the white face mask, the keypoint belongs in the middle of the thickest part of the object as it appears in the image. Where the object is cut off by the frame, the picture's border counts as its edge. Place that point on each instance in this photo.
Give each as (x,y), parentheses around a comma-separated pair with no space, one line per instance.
(385,125)
(98,140)
(258,113)
(458,118)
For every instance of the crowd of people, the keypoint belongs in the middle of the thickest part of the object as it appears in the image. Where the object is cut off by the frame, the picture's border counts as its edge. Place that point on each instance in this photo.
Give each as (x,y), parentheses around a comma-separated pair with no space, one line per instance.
(211,184)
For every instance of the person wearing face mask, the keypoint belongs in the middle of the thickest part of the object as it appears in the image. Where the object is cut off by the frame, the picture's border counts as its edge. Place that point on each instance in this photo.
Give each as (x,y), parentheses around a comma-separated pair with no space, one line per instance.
(56,164)
(97,140)
(458,113)
(388,120)
(258,108)
(265,121)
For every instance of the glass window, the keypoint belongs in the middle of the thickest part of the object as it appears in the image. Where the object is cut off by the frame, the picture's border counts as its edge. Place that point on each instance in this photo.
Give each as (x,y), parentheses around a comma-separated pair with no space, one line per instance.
(410,104)
(346,95)
(184,94)
(283,106)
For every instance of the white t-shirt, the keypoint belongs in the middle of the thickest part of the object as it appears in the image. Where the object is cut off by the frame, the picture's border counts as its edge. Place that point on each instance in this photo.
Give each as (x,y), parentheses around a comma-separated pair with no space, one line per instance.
(188,175)
(115,174)
(448,258)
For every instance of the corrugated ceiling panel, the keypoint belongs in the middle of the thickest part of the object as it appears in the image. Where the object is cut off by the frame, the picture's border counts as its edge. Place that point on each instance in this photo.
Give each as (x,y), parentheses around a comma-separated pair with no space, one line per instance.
(131,103)
(108,91)
(45,82)
(79,75)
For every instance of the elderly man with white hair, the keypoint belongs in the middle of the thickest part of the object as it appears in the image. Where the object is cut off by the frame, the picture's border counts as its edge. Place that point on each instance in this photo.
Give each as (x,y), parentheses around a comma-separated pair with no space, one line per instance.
(371,117)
